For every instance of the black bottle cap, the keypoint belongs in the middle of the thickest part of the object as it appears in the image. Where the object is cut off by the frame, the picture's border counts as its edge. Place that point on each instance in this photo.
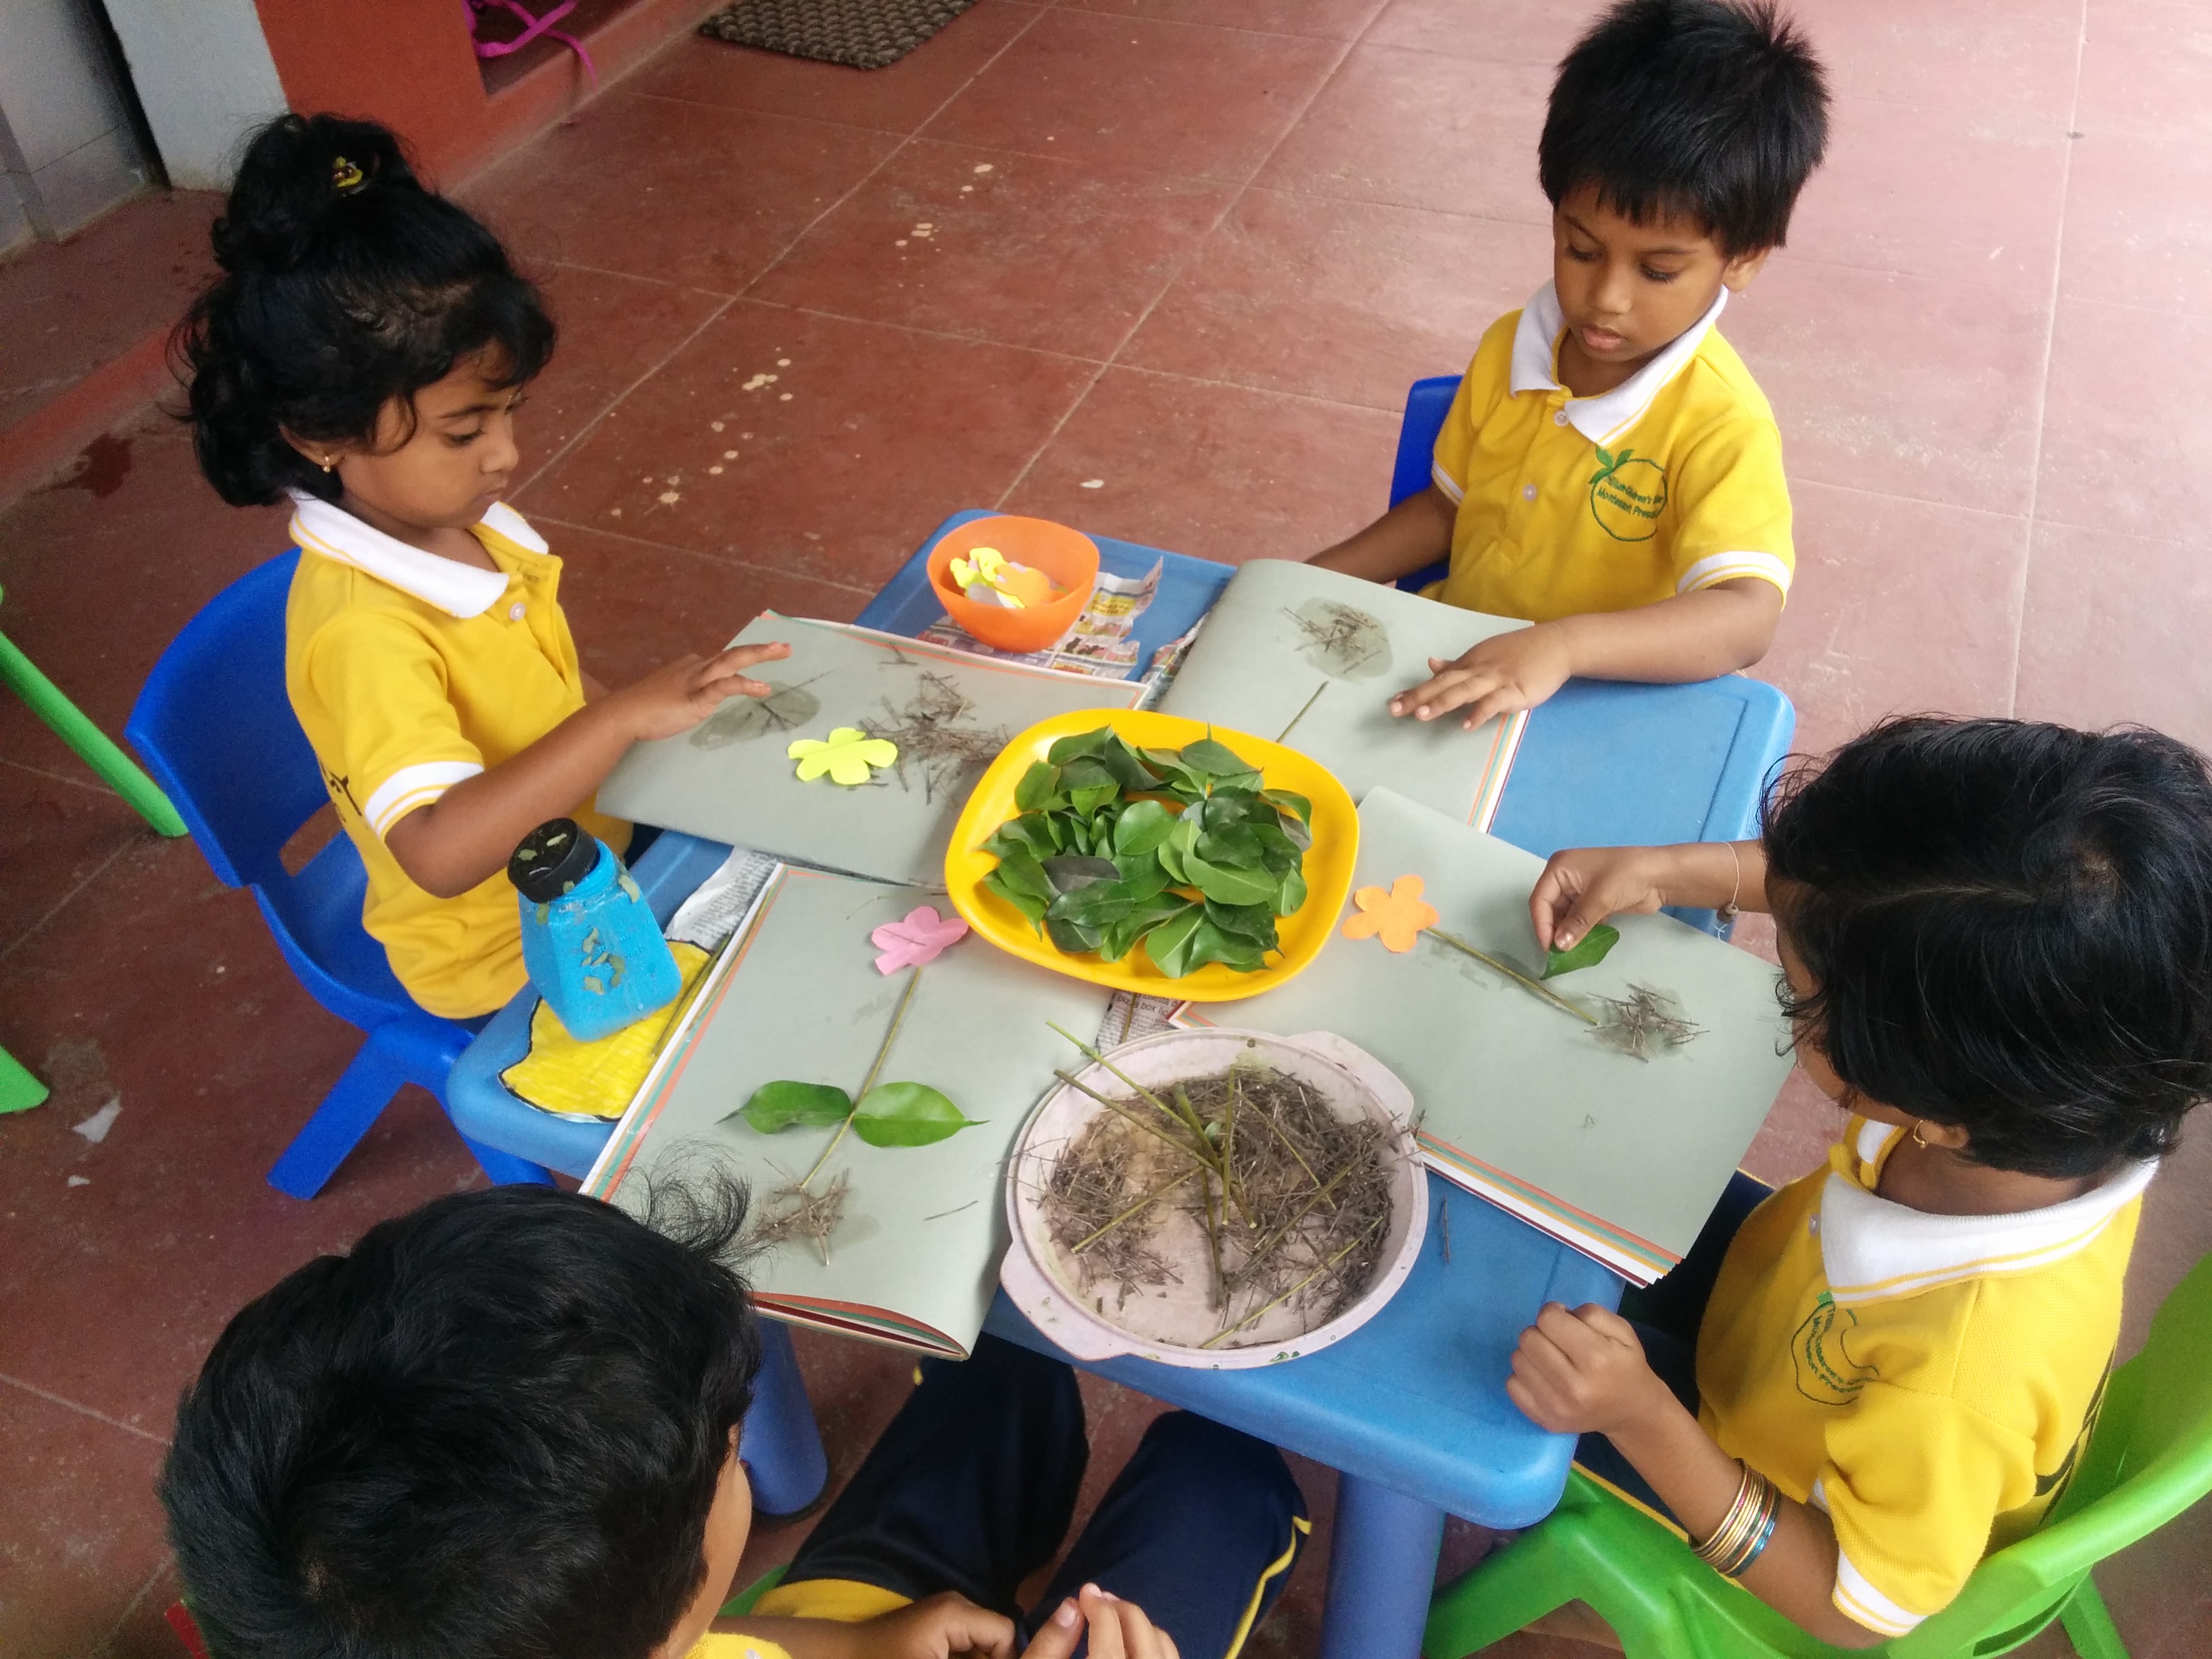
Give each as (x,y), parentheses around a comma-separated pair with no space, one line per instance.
(552,859)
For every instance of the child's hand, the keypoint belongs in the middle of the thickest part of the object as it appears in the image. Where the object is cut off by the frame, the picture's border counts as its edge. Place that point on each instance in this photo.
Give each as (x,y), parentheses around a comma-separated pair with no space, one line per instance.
(1583,1370)
(937,1627)
(1119,1630)
(1583,886)
(678,695)
(1505,672)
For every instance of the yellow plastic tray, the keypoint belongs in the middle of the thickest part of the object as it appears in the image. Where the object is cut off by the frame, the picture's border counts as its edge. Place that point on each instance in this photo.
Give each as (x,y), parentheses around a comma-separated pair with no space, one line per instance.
(1328,861)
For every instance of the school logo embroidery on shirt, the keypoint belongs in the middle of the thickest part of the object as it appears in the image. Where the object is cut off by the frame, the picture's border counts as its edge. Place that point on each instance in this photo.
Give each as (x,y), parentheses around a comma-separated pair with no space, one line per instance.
(1826,1373)
(1625,495)
(341,789)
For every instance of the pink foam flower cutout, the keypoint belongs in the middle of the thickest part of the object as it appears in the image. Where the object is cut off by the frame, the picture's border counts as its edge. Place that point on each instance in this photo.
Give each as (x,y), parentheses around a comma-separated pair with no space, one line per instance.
(922,937)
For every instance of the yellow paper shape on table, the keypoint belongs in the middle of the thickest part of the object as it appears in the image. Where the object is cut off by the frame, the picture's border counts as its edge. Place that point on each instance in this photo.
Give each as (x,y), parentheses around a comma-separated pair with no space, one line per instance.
(598,1079)
(847,755)
(1399,916)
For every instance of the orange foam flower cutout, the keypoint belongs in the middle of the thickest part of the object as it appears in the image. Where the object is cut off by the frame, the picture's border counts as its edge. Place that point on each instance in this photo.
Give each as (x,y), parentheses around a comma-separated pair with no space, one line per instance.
(1398,915)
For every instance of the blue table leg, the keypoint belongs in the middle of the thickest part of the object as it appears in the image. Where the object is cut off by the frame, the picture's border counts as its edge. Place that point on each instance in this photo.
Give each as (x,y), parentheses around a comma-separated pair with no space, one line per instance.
(780,1445)
(1381,1567)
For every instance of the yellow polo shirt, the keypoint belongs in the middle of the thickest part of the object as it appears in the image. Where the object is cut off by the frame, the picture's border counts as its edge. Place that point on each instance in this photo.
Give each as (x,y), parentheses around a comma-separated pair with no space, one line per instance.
(1928,1380)
(408,673)
(1669,483)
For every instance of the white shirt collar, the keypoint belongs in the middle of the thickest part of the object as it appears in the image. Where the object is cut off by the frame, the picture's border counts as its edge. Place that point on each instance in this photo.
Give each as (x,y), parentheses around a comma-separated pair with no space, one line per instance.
(1873,1250)
(1602,417)
(459,590)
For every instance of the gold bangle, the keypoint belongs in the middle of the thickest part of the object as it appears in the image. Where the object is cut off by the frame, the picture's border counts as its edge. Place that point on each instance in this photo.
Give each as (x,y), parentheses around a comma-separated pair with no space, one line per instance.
(1735,1523)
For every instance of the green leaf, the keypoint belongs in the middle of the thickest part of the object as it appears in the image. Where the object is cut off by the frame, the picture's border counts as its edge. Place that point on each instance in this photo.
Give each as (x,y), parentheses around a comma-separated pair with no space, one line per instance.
(1028,904)
(776,1106)
(1097,905)
(1213,758)
(1022,874)
(1143,874)
(1088,801)
(1080,746)
(1143,825)
(1120,938)
(1072,937)
(1586,953)
(1253,922)
(1171,860)
(1165,944)
(1127,766)
(1070,874)
(1234,848)
(1201,943)
(1039,787)
(1291,894)
(1604,460)
(906,1115)
(1229,886)
(1283,800)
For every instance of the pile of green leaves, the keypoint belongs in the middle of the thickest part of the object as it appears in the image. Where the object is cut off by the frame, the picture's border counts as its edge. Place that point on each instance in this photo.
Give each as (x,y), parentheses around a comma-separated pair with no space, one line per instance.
(1181,851)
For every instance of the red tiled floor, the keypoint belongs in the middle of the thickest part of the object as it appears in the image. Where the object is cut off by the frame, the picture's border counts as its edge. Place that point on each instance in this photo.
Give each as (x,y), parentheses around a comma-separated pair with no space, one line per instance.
(1215,471)
(2127,426)
(831,484)
(70,307)
(1208,103)
(1417,131)
(1051,253)
(896,99)
(1346,300)
(1994,499)
(678,192)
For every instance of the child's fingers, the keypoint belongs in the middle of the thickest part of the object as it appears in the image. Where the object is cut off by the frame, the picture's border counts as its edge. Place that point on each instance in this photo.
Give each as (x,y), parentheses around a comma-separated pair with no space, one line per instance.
(1570,1334)
(745,656)
(1061,1633)
(1438,696)
(1604,1322)
(1498,699)
(1105,1616)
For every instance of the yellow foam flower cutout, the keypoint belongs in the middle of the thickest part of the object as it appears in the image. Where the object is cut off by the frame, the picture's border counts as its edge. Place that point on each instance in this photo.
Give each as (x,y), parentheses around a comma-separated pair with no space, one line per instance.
(846,756)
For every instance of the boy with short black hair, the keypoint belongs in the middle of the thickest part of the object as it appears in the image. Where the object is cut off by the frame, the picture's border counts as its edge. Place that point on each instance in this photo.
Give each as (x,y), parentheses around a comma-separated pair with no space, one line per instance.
(506,1425)
(1609,469)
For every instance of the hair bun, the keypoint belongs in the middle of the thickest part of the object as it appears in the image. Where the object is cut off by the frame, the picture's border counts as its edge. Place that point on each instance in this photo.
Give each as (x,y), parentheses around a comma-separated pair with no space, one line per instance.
(298,173)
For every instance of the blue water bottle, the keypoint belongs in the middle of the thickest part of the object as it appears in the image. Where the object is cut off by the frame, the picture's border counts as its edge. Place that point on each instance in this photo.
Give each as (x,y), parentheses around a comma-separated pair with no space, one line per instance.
(589,940)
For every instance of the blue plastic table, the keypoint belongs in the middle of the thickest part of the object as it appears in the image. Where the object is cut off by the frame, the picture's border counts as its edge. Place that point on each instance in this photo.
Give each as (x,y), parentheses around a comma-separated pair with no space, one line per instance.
(1411,1409)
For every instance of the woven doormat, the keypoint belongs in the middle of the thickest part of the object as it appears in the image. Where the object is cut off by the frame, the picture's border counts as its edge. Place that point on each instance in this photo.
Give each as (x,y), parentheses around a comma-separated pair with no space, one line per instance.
(865,33)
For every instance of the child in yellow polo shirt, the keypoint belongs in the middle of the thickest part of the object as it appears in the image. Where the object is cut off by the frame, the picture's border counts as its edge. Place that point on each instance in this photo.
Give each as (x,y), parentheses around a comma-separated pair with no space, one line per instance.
(1609,469)
(363,353)
(1997,939)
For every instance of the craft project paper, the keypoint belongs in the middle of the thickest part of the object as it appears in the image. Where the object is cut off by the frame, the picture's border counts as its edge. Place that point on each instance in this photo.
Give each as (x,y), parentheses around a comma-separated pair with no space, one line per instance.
(797,997)
(734,777)
(1312,657)
(1622,1158)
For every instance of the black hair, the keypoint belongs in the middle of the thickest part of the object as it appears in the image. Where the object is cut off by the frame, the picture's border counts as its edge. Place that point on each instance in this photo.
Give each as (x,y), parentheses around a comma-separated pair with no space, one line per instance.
(495,1428)
(1715,110)
(2008,928)
(346,285)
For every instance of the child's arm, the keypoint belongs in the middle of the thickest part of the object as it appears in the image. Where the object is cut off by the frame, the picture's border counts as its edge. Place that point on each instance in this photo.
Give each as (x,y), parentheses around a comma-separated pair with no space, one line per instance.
(1692,636)
(1585,1371)
(949,1624)
(1583,885)
(1411,536)
(466,835)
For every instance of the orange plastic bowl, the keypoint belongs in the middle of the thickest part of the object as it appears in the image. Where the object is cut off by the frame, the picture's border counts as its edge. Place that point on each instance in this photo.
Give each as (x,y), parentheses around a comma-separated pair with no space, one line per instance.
(1068,556)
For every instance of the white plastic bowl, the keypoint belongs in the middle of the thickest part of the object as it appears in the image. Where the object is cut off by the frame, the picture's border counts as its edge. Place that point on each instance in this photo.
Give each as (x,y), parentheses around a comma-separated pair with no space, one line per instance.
(1352,1081)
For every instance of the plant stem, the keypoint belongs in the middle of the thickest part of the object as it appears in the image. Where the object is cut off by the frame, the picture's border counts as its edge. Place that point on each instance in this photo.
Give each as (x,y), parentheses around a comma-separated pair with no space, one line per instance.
(883,1052)
(1515,976)
(1285,733)
(1223,1336)
(1137,1208)
(1146,1124)
(1097,1059)
(1273,1239)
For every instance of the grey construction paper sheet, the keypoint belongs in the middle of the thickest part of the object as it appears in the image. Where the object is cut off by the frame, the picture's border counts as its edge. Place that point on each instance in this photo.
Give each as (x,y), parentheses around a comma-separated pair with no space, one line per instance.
(798,997)
(1311,658)
(1519,1101)
(731,779)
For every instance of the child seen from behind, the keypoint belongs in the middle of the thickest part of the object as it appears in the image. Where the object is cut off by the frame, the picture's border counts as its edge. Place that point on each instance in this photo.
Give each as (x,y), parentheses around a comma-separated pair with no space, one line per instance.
(1609,469)
(363,355)
(1996,944)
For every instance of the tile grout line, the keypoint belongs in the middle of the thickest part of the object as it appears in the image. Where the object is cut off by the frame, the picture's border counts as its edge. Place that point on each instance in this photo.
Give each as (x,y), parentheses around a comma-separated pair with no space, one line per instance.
(107,1644)
(2042,382)
(60,905)
(694,553)
(621,397)
(57,777)
(1197,246)
(51,1398)
(893,152)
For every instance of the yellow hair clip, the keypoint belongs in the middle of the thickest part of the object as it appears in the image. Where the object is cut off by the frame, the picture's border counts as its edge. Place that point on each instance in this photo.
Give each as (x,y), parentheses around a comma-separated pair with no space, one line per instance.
(346,177)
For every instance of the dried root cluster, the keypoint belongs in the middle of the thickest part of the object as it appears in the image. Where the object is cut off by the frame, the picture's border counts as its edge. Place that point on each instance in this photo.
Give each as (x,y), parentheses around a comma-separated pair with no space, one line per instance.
(930,732)
(1293,1204)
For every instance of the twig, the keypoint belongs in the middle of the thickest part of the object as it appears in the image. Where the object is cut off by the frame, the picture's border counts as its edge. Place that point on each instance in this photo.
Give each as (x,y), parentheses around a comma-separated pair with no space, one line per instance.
(883,1052)
(1301,715)
(1146,1124)
(1138,1208)
(1097,1059)
(955,1210)
(1223,1336)
(1515,976)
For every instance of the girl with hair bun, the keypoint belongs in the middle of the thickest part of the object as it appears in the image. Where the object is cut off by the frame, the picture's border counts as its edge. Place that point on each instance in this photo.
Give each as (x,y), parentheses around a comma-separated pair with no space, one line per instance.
(363,353)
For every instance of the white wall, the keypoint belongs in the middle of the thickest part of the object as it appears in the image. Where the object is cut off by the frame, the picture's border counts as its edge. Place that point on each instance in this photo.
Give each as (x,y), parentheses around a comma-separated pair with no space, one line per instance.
(67,142)
(204,75)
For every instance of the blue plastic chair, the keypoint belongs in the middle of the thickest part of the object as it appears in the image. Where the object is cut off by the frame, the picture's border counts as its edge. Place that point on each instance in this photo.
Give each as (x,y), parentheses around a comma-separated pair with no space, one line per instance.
(215,728)
(1427,403)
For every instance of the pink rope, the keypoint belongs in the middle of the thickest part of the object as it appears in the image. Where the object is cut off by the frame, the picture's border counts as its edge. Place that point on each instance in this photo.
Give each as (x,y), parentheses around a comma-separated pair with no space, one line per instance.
(535,26)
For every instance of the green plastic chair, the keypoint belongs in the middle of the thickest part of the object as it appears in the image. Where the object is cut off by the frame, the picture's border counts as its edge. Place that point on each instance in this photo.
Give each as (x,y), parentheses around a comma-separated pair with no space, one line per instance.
(745,1600)
(2149,1458)
(94,746)
(19,1090)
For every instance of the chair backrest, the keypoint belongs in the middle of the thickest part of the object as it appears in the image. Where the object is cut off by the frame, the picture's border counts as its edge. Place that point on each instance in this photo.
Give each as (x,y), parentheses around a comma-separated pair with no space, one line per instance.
(1427,403)
(215,728)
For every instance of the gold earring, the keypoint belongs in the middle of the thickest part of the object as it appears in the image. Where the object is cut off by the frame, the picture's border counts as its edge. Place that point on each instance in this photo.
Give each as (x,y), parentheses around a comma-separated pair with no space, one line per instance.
(328,463)
(1918,1139)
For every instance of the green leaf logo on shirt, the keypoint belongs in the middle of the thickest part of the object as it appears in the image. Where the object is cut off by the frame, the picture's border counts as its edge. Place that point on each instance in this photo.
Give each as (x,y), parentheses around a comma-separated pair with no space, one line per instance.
(1826,1373)
(1625,495)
